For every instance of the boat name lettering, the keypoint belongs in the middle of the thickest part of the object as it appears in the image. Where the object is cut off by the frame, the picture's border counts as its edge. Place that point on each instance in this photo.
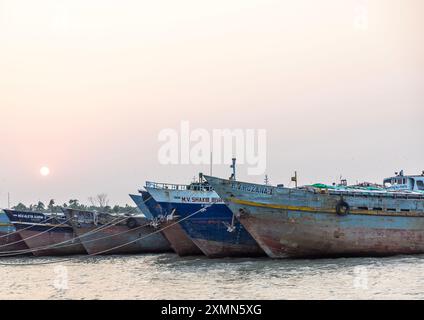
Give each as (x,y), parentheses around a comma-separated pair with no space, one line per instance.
(202,200)
(29,216)
(251,188)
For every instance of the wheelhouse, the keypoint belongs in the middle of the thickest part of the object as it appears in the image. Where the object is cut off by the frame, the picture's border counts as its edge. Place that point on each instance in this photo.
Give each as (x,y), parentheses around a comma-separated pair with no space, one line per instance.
(402,182)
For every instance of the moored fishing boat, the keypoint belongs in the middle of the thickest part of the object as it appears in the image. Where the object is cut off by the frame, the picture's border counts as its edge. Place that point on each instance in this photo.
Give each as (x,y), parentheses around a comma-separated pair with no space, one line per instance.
(168,224)
(10,240)
(44,234)
(104,233)
(205,219)
(316,222)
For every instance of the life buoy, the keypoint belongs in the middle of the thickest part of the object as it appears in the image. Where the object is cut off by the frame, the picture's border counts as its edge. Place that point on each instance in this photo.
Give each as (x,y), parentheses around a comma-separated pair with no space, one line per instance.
(342,208)
(131,223)
(242,212)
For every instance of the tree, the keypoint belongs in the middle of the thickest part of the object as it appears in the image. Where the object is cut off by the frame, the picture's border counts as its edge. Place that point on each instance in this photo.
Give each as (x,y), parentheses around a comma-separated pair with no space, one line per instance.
(51,206)
(40,206)
(101,200)
(129,209)
(98,203)
(74,203)
(20,207)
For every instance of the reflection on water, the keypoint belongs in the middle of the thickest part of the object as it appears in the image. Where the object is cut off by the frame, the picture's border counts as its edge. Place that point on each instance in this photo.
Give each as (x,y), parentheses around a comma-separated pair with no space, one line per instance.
(167,276)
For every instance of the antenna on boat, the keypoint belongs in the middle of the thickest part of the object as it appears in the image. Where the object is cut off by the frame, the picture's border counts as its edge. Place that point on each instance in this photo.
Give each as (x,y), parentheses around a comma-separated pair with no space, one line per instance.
(233,166)
(266,180)
(294,179)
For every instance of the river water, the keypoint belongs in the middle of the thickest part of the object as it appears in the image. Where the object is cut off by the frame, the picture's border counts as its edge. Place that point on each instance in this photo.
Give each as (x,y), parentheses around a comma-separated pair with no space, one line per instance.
(167,276)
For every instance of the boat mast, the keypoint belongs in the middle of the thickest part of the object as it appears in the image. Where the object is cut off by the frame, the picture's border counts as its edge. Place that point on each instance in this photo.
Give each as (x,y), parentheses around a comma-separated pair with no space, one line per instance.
(294,179)
(233,166)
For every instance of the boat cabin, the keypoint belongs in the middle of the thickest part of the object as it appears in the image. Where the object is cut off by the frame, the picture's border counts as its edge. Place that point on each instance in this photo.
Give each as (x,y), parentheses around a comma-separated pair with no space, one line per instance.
(401,182)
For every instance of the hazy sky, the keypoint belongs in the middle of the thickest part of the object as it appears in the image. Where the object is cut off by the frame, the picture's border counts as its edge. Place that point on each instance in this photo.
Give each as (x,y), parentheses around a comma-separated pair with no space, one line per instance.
(87,85)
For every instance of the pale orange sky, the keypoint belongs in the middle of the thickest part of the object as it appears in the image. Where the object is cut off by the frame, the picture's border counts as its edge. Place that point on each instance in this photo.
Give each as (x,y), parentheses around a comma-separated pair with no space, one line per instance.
(86,86)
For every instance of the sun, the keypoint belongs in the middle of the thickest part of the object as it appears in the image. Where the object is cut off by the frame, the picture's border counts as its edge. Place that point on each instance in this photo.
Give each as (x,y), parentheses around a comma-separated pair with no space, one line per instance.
(45,171)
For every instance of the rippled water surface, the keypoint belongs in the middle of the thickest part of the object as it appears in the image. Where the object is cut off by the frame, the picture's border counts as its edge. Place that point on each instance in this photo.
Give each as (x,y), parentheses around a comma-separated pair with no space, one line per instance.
(170,277)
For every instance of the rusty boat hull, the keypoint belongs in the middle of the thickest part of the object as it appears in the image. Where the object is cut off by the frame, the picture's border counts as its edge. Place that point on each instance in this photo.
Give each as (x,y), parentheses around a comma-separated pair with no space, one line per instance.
(306,222)
(12,243)
(105,234)
(10,240)
(171,229)
(61,242)
(45,235)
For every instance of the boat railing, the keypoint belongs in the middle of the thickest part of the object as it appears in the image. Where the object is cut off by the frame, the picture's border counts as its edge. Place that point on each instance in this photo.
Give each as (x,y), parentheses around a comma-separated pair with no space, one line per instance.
(375,193)
(180,187)
(165,186)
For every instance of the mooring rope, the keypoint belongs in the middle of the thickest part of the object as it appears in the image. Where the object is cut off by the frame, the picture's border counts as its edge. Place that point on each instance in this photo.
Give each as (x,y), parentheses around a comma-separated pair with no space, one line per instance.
(25,251)
(58,245)
(155,232)
(17,231)
(38,234)
(110,249)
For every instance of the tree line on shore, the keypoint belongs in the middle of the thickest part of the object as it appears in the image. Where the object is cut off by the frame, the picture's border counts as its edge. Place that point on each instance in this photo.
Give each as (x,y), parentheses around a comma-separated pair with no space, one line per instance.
(97,203)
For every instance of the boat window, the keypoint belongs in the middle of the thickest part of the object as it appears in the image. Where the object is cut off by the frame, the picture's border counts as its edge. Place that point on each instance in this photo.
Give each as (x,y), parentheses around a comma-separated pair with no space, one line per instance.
(420,185)
(387,183)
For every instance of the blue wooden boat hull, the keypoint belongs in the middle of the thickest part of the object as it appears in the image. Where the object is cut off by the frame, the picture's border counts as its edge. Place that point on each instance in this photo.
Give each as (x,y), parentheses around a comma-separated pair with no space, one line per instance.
(209,230)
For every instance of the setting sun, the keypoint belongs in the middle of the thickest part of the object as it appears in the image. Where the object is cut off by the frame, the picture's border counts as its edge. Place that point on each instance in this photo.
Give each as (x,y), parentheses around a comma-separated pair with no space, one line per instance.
(44,171)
